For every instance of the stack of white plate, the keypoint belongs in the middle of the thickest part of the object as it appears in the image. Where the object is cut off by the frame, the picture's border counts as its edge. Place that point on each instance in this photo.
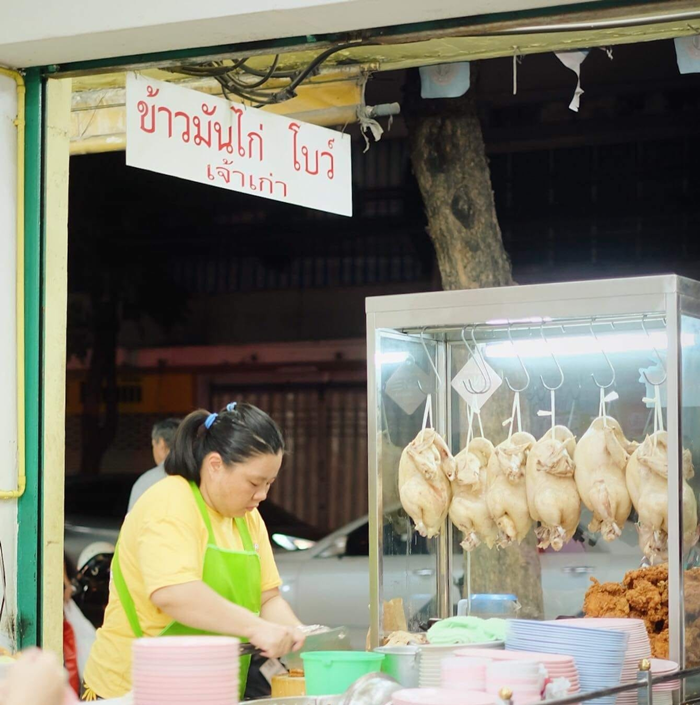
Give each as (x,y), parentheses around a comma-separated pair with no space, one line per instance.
(599,653)
(638,647)
(432,655)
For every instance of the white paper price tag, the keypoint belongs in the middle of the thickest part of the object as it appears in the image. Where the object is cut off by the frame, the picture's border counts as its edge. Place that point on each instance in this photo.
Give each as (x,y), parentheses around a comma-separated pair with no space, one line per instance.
(471,376)
(405,387)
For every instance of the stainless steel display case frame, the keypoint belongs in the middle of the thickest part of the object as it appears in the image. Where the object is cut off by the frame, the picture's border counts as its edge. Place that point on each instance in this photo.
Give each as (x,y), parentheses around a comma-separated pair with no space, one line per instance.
(665,295)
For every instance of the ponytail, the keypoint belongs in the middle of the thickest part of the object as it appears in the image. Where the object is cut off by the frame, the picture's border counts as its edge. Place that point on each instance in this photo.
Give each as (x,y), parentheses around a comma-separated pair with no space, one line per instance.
(237,433)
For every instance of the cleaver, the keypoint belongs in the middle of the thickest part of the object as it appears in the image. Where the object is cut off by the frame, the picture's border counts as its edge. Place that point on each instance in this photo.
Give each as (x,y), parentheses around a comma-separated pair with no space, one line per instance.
(330,640)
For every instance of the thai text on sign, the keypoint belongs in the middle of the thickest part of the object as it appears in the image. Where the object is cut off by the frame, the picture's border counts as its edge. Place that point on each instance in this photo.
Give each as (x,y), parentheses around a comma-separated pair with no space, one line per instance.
(194,136)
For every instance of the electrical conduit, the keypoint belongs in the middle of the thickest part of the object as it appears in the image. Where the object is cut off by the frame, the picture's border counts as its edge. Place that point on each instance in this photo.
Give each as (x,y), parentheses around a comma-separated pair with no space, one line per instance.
(20,125)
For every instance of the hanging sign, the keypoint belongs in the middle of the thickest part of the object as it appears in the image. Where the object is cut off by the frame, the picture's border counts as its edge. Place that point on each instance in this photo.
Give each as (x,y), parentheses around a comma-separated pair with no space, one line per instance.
(194,136)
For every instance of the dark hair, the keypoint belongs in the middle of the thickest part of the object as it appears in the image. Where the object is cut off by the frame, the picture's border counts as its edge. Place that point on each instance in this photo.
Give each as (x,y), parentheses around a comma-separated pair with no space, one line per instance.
(237,435)
(166,430)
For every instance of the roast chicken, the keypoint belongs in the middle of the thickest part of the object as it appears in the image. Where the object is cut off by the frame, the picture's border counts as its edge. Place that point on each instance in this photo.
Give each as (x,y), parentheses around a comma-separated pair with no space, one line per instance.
(506,495)
(552,495)
(469,510)
(425,471)
(601,459)
(647,483)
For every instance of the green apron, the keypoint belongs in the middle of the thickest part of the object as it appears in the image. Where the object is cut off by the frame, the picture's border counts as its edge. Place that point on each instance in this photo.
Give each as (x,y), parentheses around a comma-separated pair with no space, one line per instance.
(235,575)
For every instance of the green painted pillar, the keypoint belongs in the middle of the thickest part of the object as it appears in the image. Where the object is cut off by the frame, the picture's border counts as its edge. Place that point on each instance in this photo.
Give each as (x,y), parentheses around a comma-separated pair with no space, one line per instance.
(29,508)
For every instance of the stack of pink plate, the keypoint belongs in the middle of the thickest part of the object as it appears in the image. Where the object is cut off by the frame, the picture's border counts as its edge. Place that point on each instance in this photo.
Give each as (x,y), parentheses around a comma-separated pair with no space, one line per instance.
(556,665)
(465,673)
(638,647)
(526,679)
(440,696)
(186,670)
(663,692)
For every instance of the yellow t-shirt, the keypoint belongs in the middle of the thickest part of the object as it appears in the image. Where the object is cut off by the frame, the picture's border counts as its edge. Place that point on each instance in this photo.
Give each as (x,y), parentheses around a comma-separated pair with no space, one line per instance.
(162,543)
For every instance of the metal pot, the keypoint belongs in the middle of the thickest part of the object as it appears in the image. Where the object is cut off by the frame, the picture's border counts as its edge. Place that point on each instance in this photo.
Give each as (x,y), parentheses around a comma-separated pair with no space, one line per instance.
(372,689)
(401,663)
(302,700)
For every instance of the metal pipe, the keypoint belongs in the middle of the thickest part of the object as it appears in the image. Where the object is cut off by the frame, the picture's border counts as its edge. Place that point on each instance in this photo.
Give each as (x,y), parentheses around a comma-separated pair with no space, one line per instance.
(20,123)
(598,24)
(502,327)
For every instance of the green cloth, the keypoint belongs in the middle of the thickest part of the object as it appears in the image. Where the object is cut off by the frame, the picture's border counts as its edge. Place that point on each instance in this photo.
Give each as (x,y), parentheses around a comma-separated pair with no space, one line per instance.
(467,630)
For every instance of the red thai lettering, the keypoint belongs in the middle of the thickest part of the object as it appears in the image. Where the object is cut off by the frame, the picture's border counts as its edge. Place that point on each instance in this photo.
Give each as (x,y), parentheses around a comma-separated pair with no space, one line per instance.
(186,132)
(224,145)
(239,129)
(295,127)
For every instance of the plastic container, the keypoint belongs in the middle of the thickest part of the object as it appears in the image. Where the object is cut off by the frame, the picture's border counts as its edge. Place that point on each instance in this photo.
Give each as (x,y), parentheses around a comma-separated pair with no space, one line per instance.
(401,663)
(333,672)
(488,606)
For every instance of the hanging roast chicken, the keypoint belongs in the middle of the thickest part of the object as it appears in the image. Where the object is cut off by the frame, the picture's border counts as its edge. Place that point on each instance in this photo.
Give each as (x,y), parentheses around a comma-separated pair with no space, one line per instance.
(647,482)
(601,459)
(507,495)
(469,510)
(425,470)
(552,495)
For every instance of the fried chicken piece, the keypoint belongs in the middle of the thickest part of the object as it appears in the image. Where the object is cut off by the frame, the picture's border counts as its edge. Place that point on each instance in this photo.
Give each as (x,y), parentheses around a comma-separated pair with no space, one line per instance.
(606,600)
(646,599)
(691,590)
(405,639)
(654,575)
(659,644)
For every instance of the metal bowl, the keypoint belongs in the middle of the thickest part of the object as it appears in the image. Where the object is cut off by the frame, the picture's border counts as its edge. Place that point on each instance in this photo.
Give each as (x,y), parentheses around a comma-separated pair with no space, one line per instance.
(302,700)
(372,689)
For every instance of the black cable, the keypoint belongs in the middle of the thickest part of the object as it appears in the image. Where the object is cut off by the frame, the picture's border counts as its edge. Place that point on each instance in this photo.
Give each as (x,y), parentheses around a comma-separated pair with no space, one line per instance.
(266,76)
(276,74)
(231,85)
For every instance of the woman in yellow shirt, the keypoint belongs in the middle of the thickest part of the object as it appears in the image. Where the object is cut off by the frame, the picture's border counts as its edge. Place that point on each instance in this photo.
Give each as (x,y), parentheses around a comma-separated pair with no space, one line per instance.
(194,555)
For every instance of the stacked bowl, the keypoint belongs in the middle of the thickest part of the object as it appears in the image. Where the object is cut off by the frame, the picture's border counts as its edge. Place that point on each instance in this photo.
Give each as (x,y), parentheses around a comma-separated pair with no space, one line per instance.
(465,674)
(432,656)
(184,670)
(525,679)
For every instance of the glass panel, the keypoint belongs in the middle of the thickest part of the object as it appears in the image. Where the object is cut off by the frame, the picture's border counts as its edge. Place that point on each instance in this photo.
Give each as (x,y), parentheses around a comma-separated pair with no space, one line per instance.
(578,357)
(690,425)
(551,583)
(409,560)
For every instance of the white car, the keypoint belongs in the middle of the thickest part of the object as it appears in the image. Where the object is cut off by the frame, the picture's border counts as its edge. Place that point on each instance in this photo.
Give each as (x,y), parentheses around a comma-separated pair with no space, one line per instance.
(329,583)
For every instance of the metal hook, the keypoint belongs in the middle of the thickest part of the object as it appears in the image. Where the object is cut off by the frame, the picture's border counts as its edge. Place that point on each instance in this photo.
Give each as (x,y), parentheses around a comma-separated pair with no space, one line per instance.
(522,364)
(430,360)
(476,354)
(607,359)
(556,362)
(658,357)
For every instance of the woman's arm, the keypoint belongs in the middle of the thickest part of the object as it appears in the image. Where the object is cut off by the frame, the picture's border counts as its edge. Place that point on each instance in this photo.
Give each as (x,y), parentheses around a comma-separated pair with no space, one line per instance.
(276,609)
(198,606)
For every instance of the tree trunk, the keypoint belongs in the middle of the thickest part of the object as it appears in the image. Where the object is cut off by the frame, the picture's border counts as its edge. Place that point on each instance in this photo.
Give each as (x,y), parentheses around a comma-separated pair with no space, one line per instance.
(98,432)
(449,161)
(450,164)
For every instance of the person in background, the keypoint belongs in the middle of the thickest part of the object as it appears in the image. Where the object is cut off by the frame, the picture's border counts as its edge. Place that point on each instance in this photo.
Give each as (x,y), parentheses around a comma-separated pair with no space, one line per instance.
(78,633)
(161,440)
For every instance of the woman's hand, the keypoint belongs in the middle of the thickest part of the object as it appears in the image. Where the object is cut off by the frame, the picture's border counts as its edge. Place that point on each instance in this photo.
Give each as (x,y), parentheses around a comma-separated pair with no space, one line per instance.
(275,640)
(37,678)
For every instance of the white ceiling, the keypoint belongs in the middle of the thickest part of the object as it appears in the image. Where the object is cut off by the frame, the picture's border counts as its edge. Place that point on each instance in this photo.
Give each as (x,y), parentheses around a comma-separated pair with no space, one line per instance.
(41,32)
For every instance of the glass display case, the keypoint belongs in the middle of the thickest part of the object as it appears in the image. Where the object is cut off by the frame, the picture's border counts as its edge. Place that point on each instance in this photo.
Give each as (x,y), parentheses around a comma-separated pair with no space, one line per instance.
(493,363)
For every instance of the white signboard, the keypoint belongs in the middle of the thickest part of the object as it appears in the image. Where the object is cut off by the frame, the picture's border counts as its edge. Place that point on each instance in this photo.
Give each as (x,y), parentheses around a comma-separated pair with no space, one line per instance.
(198,137)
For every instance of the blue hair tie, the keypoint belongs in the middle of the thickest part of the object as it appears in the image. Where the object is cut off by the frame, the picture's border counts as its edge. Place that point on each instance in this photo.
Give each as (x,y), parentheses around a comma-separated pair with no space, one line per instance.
(232,406)
(210,420)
